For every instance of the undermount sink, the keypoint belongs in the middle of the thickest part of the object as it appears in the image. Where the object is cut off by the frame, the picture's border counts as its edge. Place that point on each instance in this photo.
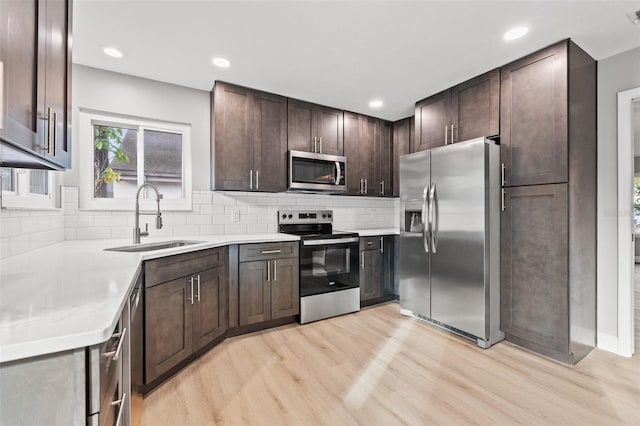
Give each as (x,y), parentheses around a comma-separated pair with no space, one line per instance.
(153,246)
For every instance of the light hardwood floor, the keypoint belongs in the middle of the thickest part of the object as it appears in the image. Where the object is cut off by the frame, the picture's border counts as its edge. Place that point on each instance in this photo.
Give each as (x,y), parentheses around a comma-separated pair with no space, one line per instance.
(377,367)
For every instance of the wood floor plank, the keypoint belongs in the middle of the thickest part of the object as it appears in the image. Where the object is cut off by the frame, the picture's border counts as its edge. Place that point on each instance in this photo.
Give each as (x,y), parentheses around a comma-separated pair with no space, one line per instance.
(377,367)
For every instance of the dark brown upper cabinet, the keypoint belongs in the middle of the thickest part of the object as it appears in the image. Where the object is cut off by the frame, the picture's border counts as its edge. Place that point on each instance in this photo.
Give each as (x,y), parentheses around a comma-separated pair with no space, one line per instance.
(433,121)
(534,108)
(249,137)
(466,111)
(475,107)
(384,159)
(315,128)
(35,52)
(403,131)
(368,152)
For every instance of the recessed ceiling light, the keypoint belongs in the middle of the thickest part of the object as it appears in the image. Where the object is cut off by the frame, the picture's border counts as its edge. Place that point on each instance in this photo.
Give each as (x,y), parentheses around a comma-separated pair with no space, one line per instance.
(515,33)
(113,52)
(221,62)
(376,103)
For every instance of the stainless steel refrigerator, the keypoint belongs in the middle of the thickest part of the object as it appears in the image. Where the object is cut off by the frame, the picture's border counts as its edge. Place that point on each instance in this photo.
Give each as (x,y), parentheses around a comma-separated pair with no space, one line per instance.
(450,201)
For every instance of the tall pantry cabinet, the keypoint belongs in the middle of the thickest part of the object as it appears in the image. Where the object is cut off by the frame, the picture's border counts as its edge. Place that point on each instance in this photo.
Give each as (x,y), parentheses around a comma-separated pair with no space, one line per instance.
(548,223)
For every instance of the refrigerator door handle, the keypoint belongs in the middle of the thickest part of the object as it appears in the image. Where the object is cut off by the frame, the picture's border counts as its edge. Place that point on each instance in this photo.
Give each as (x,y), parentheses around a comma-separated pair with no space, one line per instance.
(434,217)
(424,217)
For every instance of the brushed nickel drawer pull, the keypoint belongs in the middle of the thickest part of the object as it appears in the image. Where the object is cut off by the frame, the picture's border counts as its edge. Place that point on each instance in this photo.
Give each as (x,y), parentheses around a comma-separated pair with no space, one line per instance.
(271,251)
(121,402)
(116,354)
(275,270)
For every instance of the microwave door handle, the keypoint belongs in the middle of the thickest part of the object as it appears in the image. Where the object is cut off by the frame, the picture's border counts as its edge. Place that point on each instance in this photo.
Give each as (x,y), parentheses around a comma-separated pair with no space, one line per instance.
(338,173)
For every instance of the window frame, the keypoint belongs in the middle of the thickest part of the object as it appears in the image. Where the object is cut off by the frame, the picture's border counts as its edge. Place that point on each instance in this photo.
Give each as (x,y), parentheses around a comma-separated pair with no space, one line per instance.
(87,201)
(21,198)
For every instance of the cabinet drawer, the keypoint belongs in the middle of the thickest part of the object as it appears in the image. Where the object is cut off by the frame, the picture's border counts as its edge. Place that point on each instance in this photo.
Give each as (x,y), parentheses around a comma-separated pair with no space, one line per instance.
(268,251)
(370,243)
(169,268)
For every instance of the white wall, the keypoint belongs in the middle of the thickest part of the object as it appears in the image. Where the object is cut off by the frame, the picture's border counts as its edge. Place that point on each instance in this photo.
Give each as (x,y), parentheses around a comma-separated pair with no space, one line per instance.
(616,73)
(107,91)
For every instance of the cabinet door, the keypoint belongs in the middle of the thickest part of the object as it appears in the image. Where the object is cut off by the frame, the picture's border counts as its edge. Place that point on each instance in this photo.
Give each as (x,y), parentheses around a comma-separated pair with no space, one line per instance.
(168,333)
(22,41)
(433,122)
(383,160)
(371,273)
(352,152)
(533,134)
(330,131)
(210,306)
(254,288)
(475,107)
(270,137)
(369,129)
(401,141)
(534,260)
(58,79)
(232,137)
(285,288)
(301,126)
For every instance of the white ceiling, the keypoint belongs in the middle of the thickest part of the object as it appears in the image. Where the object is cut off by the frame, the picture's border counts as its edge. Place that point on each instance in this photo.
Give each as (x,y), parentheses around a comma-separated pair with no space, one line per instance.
(338,53)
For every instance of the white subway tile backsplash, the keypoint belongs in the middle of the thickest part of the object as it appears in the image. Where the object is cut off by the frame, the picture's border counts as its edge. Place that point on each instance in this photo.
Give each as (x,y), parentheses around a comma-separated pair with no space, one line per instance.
(198,219)
(214,213)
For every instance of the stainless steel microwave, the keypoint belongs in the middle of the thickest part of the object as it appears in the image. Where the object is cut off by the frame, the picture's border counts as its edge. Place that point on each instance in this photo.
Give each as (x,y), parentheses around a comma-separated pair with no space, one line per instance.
(313,172)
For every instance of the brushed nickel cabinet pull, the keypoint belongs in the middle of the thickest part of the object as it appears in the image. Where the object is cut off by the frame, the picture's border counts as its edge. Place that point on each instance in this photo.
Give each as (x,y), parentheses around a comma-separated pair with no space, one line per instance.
(275,270)
(502,206)
(268,271)
(251,179)
(116,354)
(453,138)
(320,144)
(191,282)
(198,279)
(503,172)
(366,186)
(382,245)
(55,134)
(121,403)
(271,251)
(362,259)
(257,179)
(446,135)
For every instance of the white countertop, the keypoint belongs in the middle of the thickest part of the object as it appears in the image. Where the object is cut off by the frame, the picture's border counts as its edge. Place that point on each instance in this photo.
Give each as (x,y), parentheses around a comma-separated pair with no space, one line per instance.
(70,295)
(372,232)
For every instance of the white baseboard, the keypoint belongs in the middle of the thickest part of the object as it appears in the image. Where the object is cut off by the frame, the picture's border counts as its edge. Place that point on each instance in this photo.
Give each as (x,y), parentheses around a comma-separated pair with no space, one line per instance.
(608,342)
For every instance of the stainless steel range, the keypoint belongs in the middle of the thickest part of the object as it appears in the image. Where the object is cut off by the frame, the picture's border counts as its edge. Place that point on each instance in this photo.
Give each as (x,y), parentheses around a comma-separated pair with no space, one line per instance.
(329,280)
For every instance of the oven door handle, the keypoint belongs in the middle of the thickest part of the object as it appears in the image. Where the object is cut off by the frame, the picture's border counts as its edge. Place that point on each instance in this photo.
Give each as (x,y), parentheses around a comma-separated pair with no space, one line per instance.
(329,241)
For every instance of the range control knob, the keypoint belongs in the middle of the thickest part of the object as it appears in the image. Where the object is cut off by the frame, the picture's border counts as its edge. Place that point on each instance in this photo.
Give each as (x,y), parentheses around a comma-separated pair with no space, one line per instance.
(329,214)
(324,216)
(284,216)
(290,216)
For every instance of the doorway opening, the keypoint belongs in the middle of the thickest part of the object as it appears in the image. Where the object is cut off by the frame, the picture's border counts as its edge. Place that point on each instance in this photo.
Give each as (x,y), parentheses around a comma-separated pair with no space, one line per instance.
(628,219)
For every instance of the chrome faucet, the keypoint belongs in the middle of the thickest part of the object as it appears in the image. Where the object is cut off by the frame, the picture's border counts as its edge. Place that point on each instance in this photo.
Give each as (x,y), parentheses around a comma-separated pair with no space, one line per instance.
(136,231)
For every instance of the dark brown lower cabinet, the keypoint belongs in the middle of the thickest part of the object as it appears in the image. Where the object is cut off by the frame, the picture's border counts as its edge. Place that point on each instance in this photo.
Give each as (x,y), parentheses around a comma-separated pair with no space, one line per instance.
(268,290)
(254,300)
(371,273)
(543,305)
(534,265)
(168,334)
(183,315)
(376,269)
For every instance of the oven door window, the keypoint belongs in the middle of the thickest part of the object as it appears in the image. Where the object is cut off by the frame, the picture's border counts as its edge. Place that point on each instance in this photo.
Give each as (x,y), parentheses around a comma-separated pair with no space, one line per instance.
(328,268)
(307,170)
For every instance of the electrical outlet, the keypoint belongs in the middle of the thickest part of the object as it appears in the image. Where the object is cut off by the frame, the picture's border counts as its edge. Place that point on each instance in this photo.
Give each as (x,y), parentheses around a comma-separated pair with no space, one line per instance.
(235,216)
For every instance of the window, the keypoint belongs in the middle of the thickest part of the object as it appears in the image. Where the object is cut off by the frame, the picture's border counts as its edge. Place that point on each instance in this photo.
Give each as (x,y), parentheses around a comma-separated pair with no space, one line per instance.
(29,189)
(118,154)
